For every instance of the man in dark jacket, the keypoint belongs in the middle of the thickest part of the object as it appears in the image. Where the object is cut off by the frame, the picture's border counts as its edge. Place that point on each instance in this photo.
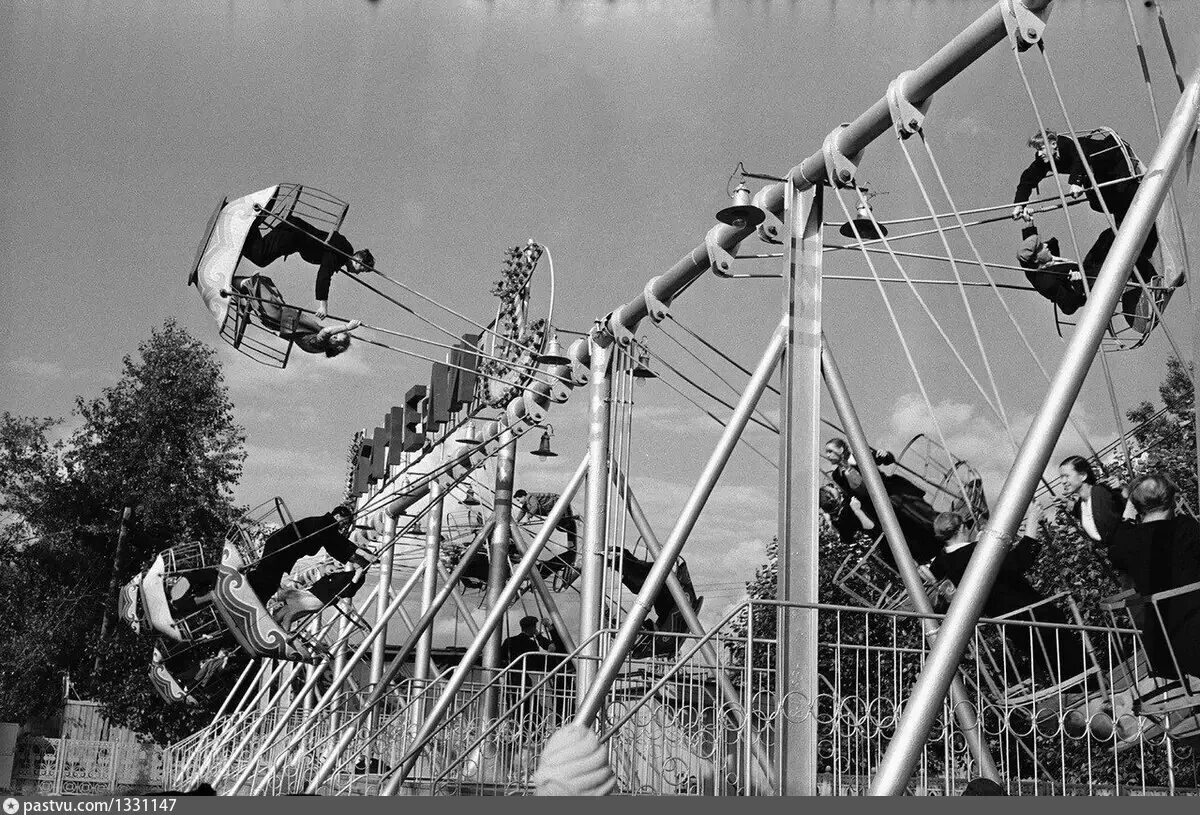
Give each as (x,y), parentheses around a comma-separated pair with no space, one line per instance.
(1162,552)
(306,537)
(1012,591)
(274,238)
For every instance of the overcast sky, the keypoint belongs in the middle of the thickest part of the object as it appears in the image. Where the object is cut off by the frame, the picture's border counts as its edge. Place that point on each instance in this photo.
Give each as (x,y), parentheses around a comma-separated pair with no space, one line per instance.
(605,130)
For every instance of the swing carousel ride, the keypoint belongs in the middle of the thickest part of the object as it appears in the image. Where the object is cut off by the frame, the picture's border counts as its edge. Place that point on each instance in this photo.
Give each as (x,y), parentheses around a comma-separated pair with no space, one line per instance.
(845,693)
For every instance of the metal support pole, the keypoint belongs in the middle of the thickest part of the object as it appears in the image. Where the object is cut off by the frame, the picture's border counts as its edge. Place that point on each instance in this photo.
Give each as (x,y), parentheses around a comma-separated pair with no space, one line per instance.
(595,531)
(457,596)
(592,702)
(326,698)
(799,472)
(433,544)
(918,716)
(506,460)
(397,661)
(964,709)
(919,85)
(539,585)
(386,559)
(490,624)
(708,651)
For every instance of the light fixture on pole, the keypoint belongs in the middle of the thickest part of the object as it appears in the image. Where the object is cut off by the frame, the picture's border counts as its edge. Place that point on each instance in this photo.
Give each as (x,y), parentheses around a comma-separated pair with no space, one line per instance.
(543,450)
(868,228)
(642,369)
(741,213)
(553,355)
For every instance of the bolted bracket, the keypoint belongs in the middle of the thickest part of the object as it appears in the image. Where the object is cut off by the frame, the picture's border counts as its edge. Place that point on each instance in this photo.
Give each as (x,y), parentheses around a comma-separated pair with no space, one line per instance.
(1024,27)
(771,229)
(616,327)
(907,117)
(656,309)
(720,260)
(840,169)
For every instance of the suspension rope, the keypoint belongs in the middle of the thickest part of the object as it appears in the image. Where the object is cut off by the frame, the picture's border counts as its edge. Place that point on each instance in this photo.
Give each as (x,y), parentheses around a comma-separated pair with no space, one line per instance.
(998,406)
(895,320)
(1136,279)
(1116,408)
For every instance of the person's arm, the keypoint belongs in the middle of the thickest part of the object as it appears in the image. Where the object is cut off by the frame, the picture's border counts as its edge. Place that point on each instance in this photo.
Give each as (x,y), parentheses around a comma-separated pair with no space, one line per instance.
(1031,176)
(863,518)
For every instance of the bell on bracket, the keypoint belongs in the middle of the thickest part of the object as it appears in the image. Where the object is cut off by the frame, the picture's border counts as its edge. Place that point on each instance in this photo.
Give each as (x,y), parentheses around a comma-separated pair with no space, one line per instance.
(469,435)
(642,369)
(469,500)
(741,213)
(553,355)
(543,450)
(868,229)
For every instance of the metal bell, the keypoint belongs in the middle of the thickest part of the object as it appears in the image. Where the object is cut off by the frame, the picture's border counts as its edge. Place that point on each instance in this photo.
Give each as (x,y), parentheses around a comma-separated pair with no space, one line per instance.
(742,213)
(868,229)
(642,369)
(553,355)
(469,435)
(543,450)
(469,500)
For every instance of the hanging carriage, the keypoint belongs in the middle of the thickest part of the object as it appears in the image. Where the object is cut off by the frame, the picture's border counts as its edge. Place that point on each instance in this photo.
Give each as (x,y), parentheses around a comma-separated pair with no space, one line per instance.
(215,271)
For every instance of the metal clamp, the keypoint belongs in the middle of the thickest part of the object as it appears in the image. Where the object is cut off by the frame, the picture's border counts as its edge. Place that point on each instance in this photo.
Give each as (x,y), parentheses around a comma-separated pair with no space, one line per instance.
(907,118)
(840,169)
(656,309)
(771,229)
(1024,26)
(720,260)
(617,328)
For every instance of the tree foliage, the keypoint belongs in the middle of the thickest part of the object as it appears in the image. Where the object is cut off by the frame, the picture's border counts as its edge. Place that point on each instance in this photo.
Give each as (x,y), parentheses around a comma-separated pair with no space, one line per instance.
(162,441)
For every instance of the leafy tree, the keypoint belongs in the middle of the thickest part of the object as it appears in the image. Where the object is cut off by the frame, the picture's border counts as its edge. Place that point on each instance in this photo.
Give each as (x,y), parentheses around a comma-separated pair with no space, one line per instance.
(161,441)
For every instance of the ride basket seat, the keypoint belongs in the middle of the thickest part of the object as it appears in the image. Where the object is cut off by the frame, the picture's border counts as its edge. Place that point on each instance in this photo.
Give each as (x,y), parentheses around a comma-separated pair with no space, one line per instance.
(284,206)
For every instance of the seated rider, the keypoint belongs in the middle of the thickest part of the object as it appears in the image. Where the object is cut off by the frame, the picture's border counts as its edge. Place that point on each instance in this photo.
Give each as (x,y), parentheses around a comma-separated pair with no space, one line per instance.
(271,238)
(305,537)
(306,331)
(1060,280)
(538,505)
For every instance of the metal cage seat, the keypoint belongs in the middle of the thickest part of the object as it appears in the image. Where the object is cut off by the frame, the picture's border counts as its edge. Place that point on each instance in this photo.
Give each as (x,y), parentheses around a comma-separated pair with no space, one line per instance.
(283,206)
(1011,663)
(245,536)
(1155,685)
(872,581)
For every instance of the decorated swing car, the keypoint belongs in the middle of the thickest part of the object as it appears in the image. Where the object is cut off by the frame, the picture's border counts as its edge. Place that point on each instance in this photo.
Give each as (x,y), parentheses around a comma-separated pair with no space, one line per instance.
(234,306)
(189,672)
(950,484)
(247,618)
(176,595)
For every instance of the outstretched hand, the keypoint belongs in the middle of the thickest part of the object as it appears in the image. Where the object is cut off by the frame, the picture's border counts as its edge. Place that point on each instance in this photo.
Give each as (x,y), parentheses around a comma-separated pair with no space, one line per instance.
(1021,213)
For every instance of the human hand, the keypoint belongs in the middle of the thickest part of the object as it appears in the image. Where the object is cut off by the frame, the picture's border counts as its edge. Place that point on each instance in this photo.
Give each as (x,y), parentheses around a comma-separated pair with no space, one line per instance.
(1075,274)
(1075,191)
(855,504)
(322,310)
(1021,213)
(574,762)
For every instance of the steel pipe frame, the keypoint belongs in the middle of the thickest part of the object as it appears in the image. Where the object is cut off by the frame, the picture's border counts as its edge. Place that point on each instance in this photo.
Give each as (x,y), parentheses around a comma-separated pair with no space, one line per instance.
(707,649)
(918,86)
(798,532)
(457,596)
(490,624)
(236,715)
(386,561)
(904,750)
(334,686)
(963,709)
(274,702)
(592,557)
(433,545)
(506,460)
(593,701)
(539,585)
(380,690)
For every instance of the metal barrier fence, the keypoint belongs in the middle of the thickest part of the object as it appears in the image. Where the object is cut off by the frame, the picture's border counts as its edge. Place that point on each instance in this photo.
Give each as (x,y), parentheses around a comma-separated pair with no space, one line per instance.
(1065,709)
(51,766)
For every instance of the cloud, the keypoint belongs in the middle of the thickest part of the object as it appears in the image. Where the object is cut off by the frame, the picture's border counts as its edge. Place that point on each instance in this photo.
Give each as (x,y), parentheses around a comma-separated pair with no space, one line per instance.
(39,369)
